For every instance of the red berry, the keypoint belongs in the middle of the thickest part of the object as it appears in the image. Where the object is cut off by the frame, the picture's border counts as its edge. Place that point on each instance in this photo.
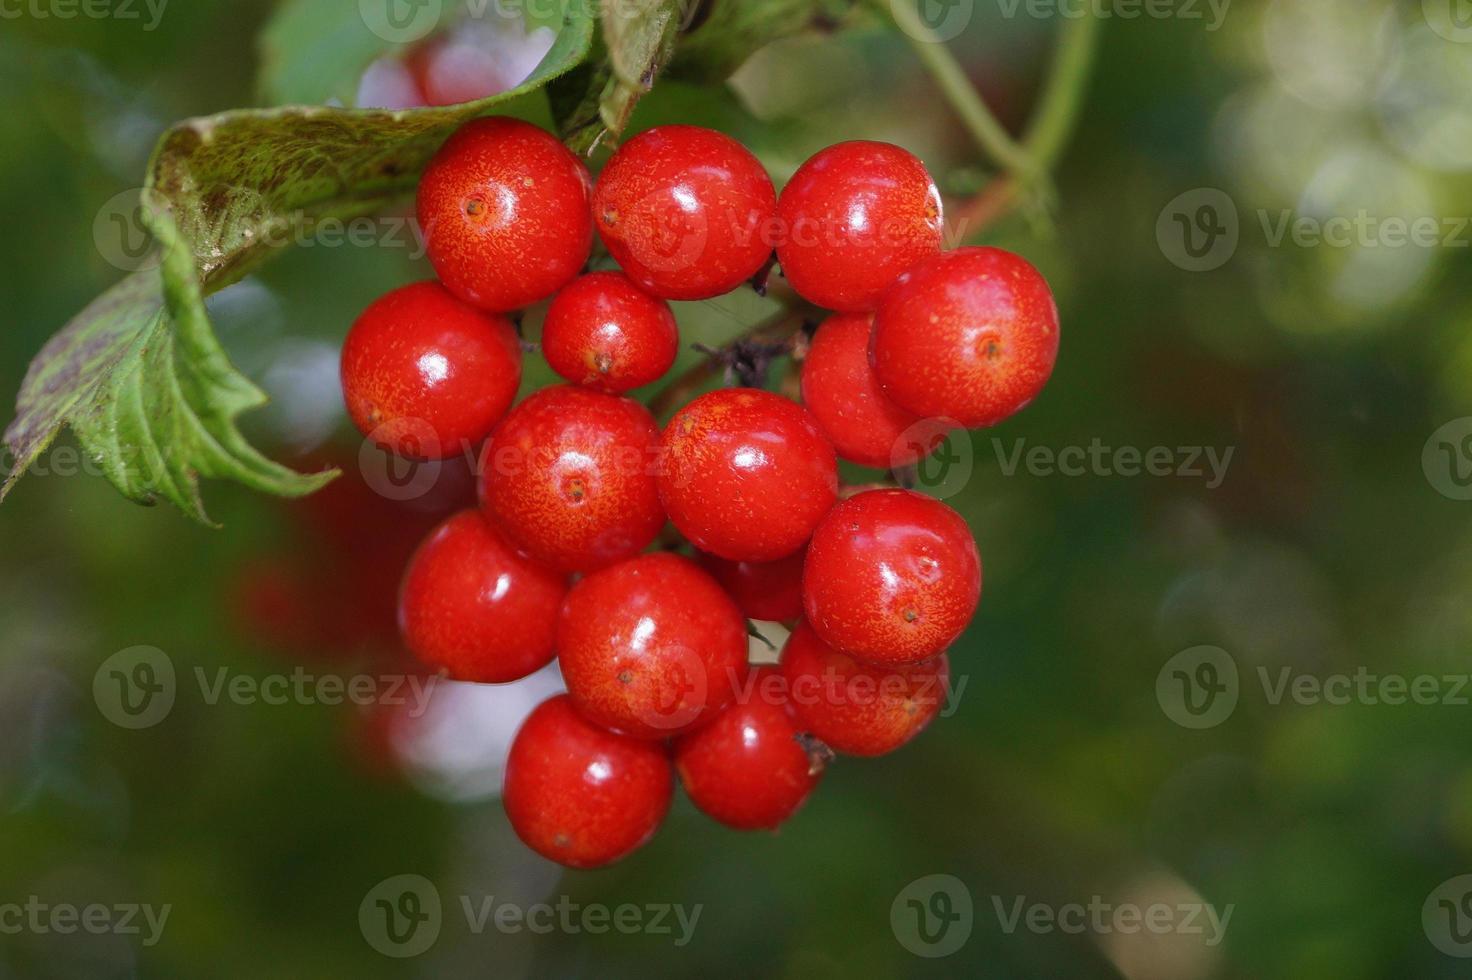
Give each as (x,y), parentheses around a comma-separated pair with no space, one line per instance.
(686,212)
(428,375)
(767,590)
(747,768)
(569,476)
(854,218)
(580,795)
(651,647)
(604,332)
(969,336)
(857,708)
(839,388)
(892,577)
(472,605)
(504,209)
(746,474)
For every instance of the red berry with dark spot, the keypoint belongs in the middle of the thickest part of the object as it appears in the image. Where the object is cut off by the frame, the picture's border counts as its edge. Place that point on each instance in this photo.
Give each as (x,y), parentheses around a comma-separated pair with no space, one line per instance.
(427,375)
(580,795)
(747,769)
(651,647)
(767,590)
(472,605)
(839,388)
(569,476)
(969,336)
(892,577)
(606,333)
(686,212)
(857,708)
(504,210)
(746,474)
(854,218)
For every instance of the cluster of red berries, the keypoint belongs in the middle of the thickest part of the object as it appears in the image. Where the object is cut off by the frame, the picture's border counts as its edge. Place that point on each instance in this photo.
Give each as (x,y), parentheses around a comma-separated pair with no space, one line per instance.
(578,481)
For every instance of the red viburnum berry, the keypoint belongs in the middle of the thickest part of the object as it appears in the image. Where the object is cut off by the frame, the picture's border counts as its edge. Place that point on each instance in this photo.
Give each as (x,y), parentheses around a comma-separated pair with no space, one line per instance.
(580,795)
(605,333)
(892,577)
(428,375)
(504,211)
(767,590)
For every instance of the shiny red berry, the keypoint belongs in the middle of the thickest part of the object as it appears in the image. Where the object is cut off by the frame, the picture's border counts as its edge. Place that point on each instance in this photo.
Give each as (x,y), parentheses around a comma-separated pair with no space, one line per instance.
(854,218)
(504,210)
(892,577)
(857,708)
(651,647)
(569,476)
(472,605)
(766,590)
(970,336)
(747,769)
(606,333)
(427,375)
(686,212)
(580,795)
(839,388)
(746,474)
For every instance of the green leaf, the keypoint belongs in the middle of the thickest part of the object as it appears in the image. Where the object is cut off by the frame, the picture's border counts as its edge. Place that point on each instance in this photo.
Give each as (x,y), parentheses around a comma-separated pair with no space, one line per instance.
(139,374)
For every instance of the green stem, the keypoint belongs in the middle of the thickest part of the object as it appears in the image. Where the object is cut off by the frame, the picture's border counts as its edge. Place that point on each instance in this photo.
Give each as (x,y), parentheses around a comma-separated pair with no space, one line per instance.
(989,134)
(1057,110)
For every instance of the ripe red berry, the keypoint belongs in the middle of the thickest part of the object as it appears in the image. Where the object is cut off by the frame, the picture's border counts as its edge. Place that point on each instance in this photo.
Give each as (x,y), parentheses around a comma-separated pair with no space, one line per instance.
(747,768)
(428,375)
(580,795)
(604,332)
(857,708)
(504,211)
(685,211)
(839,388)
(854,218)
(651,647)
(971,335)
(746,474)
(892,577)
(766,590)
(472,605)
(569,476)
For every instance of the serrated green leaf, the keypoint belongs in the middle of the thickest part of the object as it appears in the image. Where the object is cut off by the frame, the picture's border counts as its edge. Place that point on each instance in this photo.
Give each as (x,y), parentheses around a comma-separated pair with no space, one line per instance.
(139,374)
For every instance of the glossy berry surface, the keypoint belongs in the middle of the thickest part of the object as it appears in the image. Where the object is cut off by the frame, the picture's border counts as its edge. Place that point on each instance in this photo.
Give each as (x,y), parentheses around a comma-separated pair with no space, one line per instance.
(685,211)
(504,210)
(606,333)
(580,795)
(746,475)
(747,769)
(971,336)
(428,375)
(853,218)
(651,647)
(857,708)
(840,390)
(767,590)
(569,476)
(892,577)
(472,605)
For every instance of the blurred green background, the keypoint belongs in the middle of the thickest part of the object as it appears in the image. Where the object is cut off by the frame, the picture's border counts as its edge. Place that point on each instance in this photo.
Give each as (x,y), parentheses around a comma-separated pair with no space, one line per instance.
(1338,541)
